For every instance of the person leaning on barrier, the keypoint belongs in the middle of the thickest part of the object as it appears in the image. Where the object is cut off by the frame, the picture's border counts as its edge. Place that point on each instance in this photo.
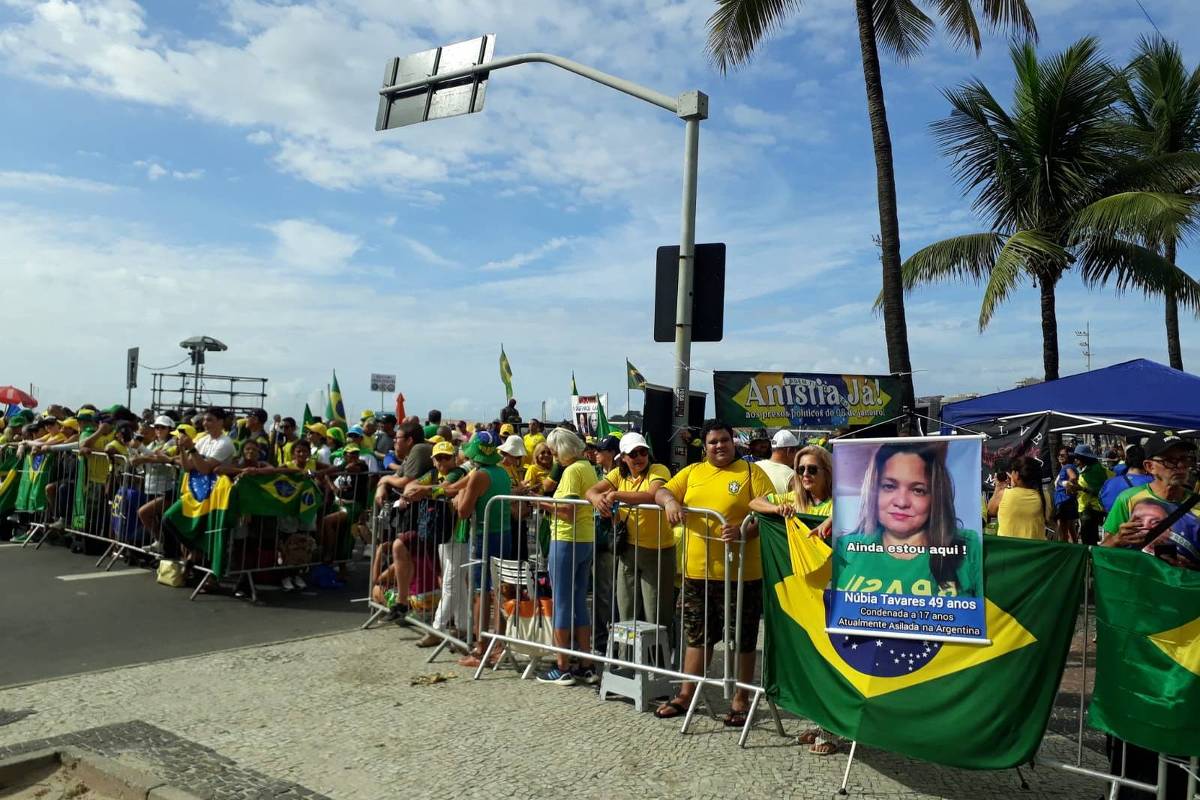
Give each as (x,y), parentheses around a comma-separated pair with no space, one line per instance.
(485,481)
(414,459)
(158,485)
(570,560)
(1170,460)
(646,556)
(381,441)
(726,485)
(512,454)
(450,537)
(315,433)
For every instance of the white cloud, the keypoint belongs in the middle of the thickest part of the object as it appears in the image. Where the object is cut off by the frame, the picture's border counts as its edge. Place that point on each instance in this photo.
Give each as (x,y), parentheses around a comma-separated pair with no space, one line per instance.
(259,137)
(311,246)
(427,253)
(524,259)
(154,171)
(49,182)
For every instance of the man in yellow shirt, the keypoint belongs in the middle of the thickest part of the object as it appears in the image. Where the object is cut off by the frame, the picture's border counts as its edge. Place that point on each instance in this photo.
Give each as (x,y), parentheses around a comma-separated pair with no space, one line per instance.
(726,485)
(532,439)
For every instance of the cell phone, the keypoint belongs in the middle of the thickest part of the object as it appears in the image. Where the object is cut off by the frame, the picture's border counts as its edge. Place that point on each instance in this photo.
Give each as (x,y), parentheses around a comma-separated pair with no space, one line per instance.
(1166,550)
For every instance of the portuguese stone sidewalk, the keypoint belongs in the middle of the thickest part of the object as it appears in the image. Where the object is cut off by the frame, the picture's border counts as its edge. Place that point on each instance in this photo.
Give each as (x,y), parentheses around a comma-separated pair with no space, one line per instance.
(338,716)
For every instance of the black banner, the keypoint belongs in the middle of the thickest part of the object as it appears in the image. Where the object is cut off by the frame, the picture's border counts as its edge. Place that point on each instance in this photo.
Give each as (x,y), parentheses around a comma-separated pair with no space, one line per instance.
(1008,441)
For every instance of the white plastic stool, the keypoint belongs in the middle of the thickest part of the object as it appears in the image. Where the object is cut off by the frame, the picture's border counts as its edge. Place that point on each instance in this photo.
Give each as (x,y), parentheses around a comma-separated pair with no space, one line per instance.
(648,641)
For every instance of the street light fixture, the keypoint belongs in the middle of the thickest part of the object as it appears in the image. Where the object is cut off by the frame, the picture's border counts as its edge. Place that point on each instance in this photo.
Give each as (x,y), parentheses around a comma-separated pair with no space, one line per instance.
(450,80)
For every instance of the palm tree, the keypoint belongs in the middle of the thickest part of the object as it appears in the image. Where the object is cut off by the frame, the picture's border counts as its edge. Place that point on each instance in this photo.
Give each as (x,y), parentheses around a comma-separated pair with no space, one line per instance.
(1160,102)
(737,27)
(1058,181)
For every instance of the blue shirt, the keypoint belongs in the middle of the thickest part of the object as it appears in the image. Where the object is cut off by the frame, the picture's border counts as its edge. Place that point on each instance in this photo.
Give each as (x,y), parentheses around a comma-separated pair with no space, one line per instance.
(1115,485)
(1060,494)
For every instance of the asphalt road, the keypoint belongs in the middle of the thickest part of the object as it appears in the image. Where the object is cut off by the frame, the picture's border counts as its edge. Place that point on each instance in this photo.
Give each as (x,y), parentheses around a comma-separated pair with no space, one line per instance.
(50,627)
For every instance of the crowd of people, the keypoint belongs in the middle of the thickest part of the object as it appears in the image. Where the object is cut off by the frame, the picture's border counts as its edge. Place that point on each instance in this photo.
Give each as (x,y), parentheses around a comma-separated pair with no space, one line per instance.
(617,535)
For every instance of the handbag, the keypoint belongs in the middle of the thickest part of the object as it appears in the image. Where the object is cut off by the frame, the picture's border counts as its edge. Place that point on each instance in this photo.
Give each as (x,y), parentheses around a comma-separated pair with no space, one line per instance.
(297,549)
(170,573)
(434,522)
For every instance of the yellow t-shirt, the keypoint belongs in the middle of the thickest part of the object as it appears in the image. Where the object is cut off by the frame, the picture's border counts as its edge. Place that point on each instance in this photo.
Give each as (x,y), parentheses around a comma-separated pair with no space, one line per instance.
(97,462)
(576,479)
(646,528)
(534,475)
(824,509)
(531,440)
(1020,514)
(728,491)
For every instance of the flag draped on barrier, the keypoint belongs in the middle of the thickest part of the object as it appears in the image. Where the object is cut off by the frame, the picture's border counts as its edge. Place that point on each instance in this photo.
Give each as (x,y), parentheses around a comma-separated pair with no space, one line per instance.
(31,493)
(277,496)
(201,517)
(963,705)
(10,479)
(1147,651)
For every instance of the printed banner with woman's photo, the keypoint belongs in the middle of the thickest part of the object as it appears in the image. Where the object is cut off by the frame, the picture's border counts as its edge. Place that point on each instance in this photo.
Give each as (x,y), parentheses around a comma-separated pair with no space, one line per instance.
(907,546)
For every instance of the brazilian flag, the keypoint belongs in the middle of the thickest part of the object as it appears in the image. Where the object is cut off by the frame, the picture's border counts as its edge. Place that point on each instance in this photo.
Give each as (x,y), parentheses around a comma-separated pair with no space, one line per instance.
(335,410)
(202,516)
(1147,651)
(506,374)
(278,496)
(636,379)
(963,705)
(31,491)
(10,479)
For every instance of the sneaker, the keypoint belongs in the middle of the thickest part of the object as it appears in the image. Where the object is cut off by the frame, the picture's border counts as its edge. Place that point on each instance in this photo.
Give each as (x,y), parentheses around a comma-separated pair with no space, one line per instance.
(154,549)
(58,524)
(22,538)
(556,675)
(286,584)
(586,675)
(398,614)
(299,583)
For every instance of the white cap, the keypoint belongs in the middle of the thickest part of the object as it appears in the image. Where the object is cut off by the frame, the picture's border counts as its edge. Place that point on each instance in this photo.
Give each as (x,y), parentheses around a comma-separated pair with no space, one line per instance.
(165,422)
(513,446)
(632,441)
(784,438)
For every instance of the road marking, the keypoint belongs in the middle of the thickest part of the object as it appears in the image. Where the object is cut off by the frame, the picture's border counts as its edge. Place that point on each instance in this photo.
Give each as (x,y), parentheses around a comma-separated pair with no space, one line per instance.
(87,576)
(10,544)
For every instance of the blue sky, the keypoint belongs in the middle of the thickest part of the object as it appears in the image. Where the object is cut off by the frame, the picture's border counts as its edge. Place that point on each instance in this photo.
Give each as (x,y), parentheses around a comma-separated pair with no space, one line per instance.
(172,169)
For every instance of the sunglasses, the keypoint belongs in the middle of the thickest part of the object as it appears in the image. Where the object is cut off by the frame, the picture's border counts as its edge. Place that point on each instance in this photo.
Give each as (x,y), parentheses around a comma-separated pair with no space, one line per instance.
(639,452)
(808,469)
(1176,463)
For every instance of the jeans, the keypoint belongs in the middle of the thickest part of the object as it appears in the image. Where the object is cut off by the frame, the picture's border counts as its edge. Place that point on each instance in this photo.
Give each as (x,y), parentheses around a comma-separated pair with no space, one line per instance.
(646,585)
(570,570)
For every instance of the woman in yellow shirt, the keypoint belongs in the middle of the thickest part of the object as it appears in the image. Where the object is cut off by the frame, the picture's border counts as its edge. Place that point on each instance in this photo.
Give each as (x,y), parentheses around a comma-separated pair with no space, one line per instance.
(1023,511)
(646,560)
(812,489)
(539,470)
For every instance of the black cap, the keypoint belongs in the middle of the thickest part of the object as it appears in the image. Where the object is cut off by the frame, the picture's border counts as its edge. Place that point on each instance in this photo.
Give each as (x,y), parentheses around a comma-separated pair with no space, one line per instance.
(609,443)
(1162,442)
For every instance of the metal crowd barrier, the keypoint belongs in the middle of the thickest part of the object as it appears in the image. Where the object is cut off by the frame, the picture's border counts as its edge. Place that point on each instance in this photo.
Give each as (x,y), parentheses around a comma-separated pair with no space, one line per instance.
(417,543)
(525,570)
(283,546)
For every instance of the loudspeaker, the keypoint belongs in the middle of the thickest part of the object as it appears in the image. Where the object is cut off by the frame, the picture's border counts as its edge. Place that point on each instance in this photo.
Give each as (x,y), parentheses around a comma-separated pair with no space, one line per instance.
(708,293)
(658,417)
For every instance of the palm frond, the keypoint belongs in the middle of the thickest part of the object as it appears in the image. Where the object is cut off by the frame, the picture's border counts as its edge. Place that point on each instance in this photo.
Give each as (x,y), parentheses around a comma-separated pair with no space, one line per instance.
(737,26)
(901,27)
(1013,15)
(968,258)
(1142,216)
(1025,252)
(1125,266)
(959,18)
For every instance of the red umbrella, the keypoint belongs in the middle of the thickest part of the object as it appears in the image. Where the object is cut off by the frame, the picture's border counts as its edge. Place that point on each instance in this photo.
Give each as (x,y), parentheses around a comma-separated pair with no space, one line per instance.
(11,395)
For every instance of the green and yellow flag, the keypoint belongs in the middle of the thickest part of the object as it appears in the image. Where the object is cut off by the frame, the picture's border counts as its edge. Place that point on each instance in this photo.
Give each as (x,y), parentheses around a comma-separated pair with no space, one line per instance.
(202,516)
(31,489)
(335,411)
(1147,651)
(10,479)
(506,374)
(278,496)
(636,379)
(308,416)
(963,705)
(603,426)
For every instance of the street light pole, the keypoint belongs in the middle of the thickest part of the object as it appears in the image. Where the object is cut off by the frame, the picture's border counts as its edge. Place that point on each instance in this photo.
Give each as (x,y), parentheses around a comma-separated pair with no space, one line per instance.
(691,107)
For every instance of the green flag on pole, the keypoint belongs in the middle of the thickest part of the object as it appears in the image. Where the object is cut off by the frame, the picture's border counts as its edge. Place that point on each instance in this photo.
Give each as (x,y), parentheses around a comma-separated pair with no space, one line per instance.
(308,416)
(603,428)
(506,374)
(636,379)
(1147,651)
(574,388)
(964,705)
(336,411)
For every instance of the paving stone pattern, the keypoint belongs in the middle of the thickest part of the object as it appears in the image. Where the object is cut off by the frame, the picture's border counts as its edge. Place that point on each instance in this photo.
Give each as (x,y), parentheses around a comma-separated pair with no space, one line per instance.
(338,714)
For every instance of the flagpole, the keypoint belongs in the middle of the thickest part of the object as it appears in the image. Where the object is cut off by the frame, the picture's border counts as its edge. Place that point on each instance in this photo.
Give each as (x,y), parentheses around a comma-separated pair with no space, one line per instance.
(626,388)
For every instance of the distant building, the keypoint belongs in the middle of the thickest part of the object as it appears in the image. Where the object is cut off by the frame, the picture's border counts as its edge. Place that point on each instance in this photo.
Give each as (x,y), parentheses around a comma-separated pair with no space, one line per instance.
(1021,384)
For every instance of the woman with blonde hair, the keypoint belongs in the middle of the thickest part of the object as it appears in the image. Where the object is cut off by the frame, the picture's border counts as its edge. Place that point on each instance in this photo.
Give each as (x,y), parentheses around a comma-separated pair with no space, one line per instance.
(812,489)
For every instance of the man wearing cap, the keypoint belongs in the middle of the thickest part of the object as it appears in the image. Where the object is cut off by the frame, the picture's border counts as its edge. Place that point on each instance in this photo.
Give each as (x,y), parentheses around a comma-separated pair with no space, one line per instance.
(759,447)
(779,466)
(384,437)
(1130,475)
(1092,477)
(159,482)
(355,436)
(1169,460)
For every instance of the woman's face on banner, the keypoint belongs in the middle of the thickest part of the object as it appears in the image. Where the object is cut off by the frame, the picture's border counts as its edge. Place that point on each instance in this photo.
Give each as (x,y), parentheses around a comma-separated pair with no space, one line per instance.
(903,501)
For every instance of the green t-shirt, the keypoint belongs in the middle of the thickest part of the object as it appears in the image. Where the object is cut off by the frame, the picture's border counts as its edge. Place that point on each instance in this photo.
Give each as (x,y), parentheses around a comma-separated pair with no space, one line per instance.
(864,570)
(1122,507)
(499,519)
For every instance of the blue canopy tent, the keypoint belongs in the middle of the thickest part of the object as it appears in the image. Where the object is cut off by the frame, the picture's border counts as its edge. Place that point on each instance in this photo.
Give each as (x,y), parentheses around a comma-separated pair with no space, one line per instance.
(1136,396)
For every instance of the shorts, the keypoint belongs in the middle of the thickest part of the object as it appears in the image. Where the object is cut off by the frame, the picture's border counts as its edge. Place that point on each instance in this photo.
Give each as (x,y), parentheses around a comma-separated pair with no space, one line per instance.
(706,632)
(1067,510)
(499,545)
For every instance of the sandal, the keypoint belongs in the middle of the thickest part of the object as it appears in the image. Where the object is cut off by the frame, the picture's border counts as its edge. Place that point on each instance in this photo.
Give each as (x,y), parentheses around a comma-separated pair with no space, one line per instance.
(673,709)
(823,747)
(736,718)
(809,736)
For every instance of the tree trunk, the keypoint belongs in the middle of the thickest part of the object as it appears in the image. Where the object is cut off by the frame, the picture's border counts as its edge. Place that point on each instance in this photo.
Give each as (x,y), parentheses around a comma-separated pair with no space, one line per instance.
(894,326)
(1174,353)
(1049,329)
